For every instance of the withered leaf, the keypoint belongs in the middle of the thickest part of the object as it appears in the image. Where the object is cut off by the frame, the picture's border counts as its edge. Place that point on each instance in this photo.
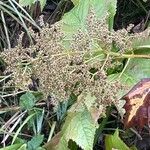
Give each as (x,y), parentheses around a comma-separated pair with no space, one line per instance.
(137,105)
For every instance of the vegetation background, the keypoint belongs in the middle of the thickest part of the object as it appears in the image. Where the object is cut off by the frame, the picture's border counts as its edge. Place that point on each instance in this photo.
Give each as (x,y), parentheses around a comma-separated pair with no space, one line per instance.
(74,74)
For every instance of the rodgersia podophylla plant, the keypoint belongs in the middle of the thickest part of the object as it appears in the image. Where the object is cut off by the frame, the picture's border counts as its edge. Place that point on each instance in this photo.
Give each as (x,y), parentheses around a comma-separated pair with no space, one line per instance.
(59,71)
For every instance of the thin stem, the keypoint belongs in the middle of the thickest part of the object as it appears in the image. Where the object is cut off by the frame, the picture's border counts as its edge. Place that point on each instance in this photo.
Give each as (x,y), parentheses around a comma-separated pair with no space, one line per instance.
(127,55)
(5,77)
(97,56)
(6,30)
(125,67)
(12,94)
(107,57)
(20,17)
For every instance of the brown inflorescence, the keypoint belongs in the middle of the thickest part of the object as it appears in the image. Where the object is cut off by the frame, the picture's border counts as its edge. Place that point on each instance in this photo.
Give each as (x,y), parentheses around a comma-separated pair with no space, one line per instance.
(60,71)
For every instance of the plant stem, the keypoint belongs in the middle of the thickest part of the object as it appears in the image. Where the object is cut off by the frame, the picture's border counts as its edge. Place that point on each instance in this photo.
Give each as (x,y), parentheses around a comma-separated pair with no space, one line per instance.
(125,67)
(127,55)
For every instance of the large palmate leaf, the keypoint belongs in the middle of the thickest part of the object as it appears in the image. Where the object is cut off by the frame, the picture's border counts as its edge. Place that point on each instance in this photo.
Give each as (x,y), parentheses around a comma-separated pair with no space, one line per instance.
(76,18)
(136,70)
(80,125)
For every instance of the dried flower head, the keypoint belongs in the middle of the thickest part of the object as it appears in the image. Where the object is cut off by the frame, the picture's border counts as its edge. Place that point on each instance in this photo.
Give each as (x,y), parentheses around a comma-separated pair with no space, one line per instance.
(60,71)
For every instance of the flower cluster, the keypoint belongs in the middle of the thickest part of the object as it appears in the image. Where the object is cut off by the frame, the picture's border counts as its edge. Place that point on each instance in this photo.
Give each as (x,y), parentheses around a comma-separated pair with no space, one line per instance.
(122,39)
(59,71)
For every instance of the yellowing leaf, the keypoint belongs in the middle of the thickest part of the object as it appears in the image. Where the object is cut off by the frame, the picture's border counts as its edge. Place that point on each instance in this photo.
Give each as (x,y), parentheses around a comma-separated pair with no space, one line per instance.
(23,147)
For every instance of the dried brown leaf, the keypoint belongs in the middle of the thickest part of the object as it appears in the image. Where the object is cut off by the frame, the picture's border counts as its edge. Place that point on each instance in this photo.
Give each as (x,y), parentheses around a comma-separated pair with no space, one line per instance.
(137,105)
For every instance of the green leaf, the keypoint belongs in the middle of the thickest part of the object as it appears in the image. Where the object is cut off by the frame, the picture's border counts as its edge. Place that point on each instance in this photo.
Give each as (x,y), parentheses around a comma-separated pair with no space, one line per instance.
(75,2)
(35,142)
(114,142)
(26,2)
(27,101)
(141,43)
(136,70)
(23,147)
(42,3)
(79,127)
(112,12)
(76,18)
(80,124)
(30,2)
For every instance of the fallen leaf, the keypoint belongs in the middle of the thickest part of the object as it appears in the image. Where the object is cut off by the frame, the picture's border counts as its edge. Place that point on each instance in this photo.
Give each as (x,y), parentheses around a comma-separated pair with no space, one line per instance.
(137,105)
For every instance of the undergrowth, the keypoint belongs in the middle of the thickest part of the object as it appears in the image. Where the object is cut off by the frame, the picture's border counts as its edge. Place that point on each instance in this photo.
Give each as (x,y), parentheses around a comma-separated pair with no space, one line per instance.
(79,67)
